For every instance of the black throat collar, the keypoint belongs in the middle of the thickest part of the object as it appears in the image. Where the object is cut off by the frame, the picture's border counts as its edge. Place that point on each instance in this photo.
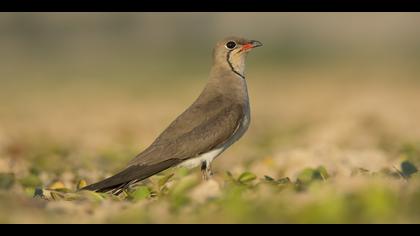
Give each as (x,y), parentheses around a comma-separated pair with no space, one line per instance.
(231,66)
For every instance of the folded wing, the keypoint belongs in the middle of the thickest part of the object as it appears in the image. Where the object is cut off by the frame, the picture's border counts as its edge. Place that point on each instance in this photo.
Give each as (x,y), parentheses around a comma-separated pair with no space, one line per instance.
(211,133)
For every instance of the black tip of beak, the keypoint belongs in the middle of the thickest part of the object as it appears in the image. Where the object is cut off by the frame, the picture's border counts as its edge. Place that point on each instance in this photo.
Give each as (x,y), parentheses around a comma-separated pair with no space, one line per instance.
(256,43)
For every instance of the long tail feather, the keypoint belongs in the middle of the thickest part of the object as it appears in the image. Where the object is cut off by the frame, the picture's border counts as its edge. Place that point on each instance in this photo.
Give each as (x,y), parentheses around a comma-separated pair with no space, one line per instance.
(132,173)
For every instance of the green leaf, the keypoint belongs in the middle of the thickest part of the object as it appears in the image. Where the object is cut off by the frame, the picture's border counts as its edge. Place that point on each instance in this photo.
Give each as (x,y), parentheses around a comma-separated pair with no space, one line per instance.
(140,193)
(31,181)
(408,168)
(6,180)
(269,179)
(92,196)
(322,172)
(247,177)
(285,180)
(306,176)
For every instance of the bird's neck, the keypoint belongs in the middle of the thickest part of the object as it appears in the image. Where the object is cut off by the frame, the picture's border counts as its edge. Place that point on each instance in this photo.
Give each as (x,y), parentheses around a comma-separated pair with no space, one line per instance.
(227,82)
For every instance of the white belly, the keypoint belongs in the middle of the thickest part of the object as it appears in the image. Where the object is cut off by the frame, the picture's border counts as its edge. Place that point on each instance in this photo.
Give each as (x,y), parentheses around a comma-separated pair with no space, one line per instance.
(196,161)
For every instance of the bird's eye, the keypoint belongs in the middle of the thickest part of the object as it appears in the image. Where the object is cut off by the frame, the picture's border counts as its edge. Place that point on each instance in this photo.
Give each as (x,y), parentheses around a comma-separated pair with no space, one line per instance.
(230,45)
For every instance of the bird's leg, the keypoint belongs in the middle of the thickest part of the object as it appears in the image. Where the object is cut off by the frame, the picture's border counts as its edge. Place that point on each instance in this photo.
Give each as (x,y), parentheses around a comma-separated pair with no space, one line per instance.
(206,172)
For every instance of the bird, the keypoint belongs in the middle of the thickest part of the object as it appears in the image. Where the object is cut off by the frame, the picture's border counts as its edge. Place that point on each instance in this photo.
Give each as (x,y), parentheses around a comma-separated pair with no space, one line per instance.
(218,117)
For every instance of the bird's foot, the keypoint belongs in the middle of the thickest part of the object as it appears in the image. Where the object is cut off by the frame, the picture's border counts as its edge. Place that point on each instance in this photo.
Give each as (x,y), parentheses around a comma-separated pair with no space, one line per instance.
(204,176)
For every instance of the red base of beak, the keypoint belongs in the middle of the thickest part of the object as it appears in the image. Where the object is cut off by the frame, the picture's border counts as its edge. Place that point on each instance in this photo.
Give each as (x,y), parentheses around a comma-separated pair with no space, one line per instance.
(247,46)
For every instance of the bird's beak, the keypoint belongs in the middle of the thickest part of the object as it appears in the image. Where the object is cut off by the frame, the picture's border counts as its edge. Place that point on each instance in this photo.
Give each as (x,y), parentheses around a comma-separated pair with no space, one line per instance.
(251,44)
(256,43)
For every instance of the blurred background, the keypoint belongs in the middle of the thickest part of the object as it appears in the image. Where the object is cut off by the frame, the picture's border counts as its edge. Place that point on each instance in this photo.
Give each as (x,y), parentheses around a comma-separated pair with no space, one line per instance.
(82,93)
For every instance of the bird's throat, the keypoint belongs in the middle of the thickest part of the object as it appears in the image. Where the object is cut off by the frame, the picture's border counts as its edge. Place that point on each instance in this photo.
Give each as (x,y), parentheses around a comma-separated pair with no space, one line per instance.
(233,62)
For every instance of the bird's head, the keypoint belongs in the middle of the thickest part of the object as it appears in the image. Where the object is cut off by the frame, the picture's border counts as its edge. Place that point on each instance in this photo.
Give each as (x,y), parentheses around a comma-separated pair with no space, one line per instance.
(230,53)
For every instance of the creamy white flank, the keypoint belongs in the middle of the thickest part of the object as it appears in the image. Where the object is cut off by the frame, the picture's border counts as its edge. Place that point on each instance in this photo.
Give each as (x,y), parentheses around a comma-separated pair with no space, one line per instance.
(196,161)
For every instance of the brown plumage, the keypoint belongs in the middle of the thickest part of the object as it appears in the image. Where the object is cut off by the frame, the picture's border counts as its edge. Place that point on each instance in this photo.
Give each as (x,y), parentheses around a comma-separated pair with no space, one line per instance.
(218,118)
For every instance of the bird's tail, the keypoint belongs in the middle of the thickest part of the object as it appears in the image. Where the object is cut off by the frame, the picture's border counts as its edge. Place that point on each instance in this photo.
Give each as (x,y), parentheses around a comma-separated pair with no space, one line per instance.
(128,176)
